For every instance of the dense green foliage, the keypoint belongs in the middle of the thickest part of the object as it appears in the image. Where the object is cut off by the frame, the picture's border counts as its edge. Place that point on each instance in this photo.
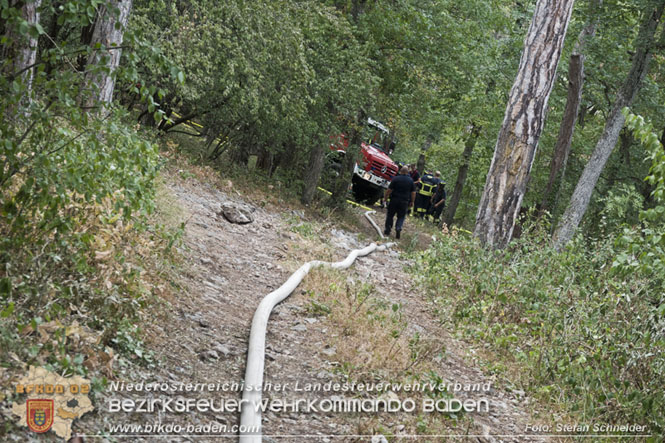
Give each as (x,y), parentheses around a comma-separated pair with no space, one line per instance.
(275,79)
(643,244)
(272,79)
(70,183)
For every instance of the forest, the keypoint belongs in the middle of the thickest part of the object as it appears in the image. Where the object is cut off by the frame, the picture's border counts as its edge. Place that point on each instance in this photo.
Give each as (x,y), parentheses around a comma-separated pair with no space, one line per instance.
(546,119)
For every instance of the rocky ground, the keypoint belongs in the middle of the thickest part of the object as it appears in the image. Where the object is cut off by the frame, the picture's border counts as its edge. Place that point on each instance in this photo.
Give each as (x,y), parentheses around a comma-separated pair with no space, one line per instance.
(202,337)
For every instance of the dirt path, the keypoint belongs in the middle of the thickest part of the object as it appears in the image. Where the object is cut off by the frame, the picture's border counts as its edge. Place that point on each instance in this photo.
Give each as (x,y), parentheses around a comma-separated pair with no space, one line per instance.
(230,267)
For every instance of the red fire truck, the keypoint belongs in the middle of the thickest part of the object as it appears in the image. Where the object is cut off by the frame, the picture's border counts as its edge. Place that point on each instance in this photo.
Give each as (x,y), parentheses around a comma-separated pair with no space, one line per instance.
(374,170)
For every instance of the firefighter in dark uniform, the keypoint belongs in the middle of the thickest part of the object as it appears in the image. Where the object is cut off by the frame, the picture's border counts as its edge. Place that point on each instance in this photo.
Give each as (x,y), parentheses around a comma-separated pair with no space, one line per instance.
(438,202)
(428,184)
(402,193)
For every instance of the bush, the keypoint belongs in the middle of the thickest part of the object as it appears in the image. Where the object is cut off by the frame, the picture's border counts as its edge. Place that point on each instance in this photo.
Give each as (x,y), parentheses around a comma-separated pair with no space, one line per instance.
(581,331)
(72,197)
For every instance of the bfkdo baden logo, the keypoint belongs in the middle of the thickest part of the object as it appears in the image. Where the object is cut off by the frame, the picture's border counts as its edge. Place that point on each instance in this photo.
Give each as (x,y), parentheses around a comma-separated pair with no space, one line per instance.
(52,402)
(39,414)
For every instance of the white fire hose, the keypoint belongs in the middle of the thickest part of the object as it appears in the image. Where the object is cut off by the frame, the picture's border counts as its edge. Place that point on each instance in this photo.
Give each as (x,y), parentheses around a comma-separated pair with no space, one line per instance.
(250,415)
(373,223)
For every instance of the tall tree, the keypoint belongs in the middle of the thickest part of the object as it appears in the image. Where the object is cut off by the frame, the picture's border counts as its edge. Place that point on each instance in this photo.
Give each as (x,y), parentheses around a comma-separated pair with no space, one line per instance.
(582,195)
(313,173)
(106,50)
(456,196)
(570,113)
(420,164)
(523,123)
(330,45)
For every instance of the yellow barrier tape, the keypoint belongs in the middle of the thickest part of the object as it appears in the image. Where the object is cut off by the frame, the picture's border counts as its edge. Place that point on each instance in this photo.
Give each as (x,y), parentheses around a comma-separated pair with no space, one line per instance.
(193,122)
(348,201)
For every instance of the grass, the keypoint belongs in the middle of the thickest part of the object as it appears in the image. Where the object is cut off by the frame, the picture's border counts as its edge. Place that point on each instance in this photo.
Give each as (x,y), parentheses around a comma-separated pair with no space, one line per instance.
(372,343)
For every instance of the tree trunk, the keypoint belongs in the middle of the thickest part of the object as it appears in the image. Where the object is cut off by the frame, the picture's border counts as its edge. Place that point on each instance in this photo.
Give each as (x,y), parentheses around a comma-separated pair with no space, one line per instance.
(21,52)
(575,86)
(264,160)
(341,185)
(27,55)
(287,156)
(109,29)
(565,137)
(420,165)
(313,173)
(461,176)
(240,155)
(523,123)
(587,182)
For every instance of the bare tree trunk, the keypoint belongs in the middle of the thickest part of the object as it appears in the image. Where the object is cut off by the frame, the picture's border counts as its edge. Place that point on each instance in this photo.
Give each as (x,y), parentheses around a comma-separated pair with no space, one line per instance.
(27,55)
(265,160)
(420,165)
(461,175)
(587,182)
(313,173)
(21,53)
(109,30)
(565,137)
(523,123)
(575,86)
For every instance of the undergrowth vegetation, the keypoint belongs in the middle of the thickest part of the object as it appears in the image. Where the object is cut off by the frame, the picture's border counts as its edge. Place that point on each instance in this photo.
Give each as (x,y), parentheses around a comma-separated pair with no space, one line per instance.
(370,338)
(80,254)
(576,329)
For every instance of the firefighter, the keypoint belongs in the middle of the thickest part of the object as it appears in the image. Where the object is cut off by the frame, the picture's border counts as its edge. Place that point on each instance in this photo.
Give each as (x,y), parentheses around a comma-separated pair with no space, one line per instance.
(428,184)
(438,202)
(402,193)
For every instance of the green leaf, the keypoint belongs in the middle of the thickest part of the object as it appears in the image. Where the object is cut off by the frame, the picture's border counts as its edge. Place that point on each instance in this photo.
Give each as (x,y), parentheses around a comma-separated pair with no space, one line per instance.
(9,309)
(23,28)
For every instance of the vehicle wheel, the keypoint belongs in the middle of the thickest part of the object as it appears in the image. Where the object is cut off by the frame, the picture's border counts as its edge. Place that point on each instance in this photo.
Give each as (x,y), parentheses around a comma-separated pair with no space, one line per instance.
(359,194)
(373,198)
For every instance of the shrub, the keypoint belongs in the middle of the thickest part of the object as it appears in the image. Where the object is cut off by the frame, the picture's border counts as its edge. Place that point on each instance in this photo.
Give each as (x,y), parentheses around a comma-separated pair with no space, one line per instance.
(73,194)
(580,332)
